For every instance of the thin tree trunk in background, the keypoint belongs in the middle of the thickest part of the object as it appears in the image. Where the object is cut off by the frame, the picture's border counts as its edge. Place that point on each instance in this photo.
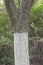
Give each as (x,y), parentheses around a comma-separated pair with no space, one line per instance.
(20,20)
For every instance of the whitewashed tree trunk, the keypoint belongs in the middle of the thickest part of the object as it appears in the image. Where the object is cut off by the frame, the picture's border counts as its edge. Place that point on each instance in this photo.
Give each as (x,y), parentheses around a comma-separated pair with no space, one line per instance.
(19,18)
(21,49)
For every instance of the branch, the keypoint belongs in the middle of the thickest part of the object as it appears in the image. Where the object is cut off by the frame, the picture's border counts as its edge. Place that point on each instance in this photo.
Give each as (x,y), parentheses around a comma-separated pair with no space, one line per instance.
(11,9)
(26,6)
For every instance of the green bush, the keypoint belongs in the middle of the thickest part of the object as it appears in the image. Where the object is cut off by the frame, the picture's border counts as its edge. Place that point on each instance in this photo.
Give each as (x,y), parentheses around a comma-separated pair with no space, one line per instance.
(6,54)
(36,17)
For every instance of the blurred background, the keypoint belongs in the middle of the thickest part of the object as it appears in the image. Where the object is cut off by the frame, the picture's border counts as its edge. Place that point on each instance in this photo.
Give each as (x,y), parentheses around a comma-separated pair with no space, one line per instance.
(35,25)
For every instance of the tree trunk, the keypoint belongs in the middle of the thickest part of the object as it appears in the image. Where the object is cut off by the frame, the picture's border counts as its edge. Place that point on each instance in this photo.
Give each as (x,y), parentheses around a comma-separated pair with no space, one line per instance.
(21,48)
(21,39)
(20,21)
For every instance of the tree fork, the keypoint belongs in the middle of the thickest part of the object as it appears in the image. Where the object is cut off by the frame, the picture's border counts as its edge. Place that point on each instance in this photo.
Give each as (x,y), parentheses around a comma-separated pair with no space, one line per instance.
(20,19)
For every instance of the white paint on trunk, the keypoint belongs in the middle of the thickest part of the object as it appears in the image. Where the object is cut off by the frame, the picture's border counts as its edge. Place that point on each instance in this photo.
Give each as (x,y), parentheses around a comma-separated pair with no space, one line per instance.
(21,49)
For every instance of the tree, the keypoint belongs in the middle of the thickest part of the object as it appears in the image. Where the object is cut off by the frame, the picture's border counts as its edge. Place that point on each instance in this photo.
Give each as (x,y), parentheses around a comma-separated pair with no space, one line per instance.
(19,17)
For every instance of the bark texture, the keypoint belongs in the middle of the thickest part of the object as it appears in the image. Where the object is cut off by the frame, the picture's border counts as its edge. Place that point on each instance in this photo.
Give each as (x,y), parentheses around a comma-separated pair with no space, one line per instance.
(19,18)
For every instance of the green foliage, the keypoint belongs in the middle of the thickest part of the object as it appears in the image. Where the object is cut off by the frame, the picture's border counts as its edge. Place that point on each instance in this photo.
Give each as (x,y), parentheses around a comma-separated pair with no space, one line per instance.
(6,54)
(3,20)
(17,3)
(36,16)
(6,38)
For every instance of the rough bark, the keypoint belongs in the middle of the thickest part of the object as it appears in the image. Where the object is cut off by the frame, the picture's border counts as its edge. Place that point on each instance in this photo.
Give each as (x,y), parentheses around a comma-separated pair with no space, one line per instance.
(20,19)
(11,10)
